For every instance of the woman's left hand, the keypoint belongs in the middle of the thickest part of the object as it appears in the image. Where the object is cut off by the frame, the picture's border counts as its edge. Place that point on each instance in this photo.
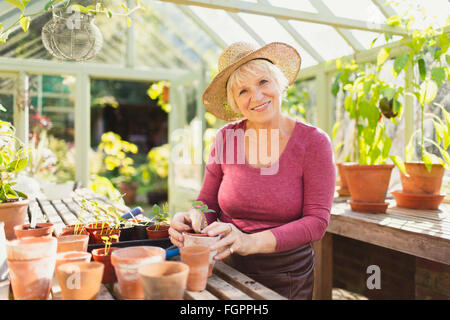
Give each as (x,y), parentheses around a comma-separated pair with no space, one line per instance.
(233,241)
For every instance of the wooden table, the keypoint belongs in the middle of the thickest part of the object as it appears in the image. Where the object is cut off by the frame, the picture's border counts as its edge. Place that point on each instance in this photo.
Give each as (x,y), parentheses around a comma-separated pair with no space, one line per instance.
(226,283)
(421,233)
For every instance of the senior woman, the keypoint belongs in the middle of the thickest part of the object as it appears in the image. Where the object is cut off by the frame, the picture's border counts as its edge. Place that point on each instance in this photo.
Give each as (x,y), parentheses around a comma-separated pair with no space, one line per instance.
(272,190)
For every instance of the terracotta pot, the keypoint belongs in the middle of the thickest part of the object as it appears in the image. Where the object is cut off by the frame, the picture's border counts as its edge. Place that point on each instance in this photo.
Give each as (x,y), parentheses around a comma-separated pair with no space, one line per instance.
(72,256)
(164,280)
(342,190)
(31,263)
(73,229)
(422,181)
(418,201)
(73,243)
(41,230)
(162,232)
(202,239)
(94,227)
(80,280)
(130,191)
(126,262)
(13,214)
(109,275)
(98,234)
(368,185)
(197,258)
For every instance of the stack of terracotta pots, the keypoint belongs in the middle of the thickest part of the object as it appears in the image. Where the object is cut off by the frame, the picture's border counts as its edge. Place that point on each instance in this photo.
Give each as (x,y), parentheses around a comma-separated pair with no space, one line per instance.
(421,188)
(31,263)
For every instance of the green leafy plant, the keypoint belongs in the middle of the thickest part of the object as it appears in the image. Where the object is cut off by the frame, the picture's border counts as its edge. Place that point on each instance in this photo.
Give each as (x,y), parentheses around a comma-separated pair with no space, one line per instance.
(160,214)
(107,241)
(367,99)
(429,44)
(13,159)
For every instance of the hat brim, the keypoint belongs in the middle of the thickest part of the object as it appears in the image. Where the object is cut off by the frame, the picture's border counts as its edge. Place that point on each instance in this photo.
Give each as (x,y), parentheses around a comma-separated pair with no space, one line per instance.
(282,55)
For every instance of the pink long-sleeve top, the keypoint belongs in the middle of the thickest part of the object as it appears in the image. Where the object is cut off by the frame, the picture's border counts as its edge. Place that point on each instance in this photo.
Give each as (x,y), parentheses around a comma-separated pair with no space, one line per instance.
(294,203)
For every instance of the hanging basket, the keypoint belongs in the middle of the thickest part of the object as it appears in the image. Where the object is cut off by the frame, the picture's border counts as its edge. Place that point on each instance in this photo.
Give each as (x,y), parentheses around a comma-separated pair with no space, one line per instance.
(72,36)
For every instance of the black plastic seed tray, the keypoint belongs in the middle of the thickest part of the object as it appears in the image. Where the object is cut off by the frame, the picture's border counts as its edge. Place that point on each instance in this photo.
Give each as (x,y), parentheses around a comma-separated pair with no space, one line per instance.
(162,243)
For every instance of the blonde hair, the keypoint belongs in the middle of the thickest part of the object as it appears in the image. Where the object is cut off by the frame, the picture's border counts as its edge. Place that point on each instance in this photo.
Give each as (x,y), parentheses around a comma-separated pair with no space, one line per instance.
(253,68)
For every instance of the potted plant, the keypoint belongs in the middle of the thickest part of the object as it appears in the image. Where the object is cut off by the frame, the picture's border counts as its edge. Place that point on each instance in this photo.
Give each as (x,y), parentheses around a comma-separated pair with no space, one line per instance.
(197,238)
(13,203)
(368,174)
(103,255)
(421,175)
(160,228)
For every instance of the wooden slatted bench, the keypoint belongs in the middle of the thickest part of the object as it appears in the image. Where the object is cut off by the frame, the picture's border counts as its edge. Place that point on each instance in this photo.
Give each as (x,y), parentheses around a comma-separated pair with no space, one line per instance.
(226,283)
(421,233)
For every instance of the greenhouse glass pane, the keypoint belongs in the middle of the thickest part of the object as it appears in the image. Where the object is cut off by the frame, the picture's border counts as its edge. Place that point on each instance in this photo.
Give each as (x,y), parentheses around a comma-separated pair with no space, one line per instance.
(302,5)
(223,25)
(363,10)
(271,31)
(324,39)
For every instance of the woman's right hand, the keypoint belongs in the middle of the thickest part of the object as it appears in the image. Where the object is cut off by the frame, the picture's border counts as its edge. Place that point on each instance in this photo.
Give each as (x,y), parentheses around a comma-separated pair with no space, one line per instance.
(181,222)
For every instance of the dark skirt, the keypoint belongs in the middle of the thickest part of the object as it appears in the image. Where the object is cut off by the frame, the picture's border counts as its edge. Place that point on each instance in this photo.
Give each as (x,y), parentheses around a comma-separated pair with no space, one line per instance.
(289,273)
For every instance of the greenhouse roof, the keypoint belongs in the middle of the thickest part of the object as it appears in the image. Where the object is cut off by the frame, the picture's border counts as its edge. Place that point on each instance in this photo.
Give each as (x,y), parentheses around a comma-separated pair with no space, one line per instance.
(186,34)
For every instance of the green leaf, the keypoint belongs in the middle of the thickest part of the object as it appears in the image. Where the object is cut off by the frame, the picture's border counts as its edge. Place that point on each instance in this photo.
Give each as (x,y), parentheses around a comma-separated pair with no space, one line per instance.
(393,21)
(428,91)
(335,129)
(447,59)
(25,23)
(386,147)
(444,42)
(336,86)
(438,75)
(383,55)
(422,68)
(400,62)
(428,160)
(388,92)
(400,164)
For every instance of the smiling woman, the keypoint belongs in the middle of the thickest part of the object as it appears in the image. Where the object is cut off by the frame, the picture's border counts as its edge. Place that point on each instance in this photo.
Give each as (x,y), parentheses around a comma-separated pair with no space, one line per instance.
(267,218)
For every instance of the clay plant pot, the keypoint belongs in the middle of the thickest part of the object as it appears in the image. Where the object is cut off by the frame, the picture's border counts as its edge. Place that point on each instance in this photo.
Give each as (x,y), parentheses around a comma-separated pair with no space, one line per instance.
(94,227)
(197,258)
(164,280)
(13,214)
(109,275)
(80,280)
(31,263)
(98,234)
(202,239)
(73,229)
(126,262)
(368,185)
(342,190)
(154,232)
(420,180)
(41,230)
(73,243)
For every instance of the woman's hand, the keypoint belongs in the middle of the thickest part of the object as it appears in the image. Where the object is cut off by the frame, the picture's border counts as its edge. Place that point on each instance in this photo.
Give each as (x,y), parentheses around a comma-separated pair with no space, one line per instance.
(233,241)
(185,221)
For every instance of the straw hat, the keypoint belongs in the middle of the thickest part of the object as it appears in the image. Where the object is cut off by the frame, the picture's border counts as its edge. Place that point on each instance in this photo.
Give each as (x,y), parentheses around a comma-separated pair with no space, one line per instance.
(215,96)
